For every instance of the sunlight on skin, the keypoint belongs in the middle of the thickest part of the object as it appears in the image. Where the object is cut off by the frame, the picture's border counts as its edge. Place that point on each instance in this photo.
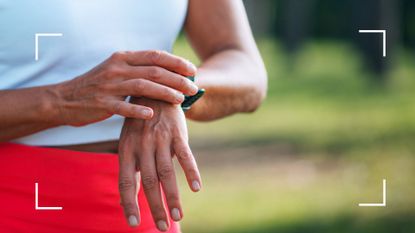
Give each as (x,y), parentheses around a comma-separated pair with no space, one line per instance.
(323,146)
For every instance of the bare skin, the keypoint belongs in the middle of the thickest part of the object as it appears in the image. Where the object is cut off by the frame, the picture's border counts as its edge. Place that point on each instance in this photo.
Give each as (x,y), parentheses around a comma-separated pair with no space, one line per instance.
(97,94)
(155,132)
(234,77)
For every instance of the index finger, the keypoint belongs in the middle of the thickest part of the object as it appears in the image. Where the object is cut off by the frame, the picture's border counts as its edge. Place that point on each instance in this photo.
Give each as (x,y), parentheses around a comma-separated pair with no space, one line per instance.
(163,59)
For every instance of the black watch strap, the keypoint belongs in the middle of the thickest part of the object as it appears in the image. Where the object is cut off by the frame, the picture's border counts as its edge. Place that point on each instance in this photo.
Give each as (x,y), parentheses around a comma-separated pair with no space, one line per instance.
(190,100)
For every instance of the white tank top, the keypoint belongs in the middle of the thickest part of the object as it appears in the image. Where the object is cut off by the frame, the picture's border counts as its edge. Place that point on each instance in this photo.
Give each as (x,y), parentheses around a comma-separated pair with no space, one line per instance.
(83,34)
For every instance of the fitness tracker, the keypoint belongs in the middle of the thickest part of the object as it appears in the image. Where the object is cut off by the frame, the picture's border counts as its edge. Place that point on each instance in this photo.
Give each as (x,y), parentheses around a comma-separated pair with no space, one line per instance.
(190,100)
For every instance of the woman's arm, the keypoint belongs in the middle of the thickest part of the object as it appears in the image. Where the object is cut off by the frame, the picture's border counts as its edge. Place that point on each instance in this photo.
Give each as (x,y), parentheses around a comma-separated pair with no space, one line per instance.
(232,71)
(234,76)
(97,94)
(27,111)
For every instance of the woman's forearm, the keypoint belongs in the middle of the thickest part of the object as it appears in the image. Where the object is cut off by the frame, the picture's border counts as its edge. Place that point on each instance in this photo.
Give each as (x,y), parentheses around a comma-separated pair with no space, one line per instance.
(98,94)
(26,111)
(234,82)
(232,70)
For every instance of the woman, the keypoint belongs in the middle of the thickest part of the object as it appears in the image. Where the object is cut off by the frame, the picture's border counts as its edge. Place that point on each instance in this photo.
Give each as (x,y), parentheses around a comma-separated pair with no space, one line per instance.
(63,125)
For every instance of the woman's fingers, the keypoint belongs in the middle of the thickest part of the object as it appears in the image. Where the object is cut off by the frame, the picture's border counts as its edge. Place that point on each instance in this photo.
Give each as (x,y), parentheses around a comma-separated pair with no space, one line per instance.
(149,89)
(188,163)
(128,181)
(163,76)
(167,177)
(159,58)
(129,110)
(151,185)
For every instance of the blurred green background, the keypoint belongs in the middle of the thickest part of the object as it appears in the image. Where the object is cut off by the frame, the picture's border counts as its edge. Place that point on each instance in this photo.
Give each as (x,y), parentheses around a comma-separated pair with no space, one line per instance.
(333,126)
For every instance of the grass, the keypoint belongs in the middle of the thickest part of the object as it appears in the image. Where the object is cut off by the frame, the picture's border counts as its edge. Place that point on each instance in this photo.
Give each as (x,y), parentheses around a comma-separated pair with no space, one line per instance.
(322,142)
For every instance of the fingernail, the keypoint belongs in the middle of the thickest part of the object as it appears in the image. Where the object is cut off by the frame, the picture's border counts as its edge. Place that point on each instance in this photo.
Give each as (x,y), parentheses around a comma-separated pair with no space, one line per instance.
(191,67)
(132,220)
(162,225)
(175,214)
(179,97)
(196,185)
(194,88)
(146,112)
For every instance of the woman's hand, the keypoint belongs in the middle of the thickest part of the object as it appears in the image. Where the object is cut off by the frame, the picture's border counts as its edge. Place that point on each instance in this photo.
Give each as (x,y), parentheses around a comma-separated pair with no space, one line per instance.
(146,150)
(101,92)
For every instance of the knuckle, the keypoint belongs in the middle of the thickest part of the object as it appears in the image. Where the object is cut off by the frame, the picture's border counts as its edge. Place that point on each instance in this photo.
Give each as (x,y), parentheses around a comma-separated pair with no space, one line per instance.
(165,172)
(117,56)
(134,129)
(184,155)
(104,87)
(154,73)
(183,83)
(161,131)
(149,182)
(147,132)
(99,101)
(126,184)
(163,134)
(128,207)
(139,85)
(113,71)
(116,107)
(155,56)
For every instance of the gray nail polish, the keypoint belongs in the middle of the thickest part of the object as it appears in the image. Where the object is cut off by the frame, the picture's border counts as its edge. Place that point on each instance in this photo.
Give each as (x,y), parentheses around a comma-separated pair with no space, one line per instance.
(196,185)
(175,214)
(132,220)
(162,225)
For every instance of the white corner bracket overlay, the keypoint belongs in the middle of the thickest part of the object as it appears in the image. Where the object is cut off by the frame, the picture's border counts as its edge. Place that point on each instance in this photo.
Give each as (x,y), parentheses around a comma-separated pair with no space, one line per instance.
(383,32)
(37,36)
(383,204)
(37,207)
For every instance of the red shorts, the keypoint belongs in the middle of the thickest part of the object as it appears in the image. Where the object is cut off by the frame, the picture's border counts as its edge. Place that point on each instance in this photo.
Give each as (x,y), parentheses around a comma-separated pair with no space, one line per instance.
(84,184)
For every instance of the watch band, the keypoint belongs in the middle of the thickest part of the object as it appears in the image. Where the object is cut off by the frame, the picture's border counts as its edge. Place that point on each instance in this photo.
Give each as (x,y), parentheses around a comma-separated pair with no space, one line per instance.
(190,100)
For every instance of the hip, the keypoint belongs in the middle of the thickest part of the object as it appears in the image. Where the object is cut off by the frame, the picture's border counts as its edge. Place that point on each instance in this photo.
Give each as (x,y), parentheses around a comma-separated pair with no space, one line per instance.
(83,184)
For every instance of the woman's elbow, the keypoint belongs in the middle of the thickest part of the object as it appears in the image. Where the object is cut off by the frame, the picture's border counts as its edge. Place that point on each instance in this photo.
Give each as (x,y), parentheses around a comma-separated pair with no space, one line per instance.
(259,89)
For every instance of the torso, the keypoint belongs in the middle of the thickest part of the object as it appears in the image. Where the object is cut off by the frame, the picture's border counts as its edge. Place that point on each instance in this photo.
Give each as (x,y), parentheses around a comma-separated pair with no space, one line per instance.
(92,30)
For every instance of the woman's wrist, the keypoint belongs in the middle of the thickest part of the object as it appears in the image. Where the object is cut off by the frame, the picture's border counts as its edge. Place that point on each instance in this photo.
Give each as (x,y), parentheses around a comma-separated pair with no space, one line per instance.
(51,105)
(156,105)
(196,111)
